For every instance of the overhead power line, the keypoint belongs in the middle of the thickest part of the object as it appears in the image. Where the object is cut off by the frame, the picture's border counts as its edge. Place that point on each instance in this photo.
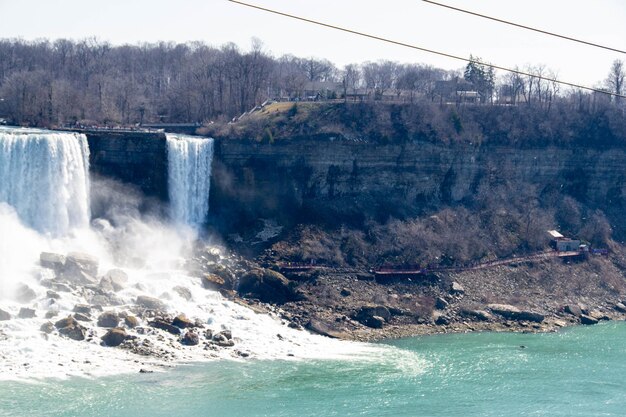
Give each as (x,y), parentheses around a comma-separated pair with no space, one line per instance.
(507,22)
(419,48)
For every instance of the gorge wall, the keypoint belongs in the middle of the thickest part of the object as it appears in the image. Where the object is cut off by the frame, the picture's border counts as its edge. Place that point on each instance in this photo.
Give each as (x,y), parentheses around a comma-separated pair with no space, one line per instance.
(137,158)
(333,180)
(345,180)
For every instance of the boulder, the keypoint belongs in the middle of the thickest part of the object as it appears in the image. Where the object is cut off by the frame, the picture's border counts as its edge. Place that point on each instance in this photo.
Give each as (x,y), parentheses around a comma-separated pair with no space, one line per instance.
(4,316)
(479,315)
(131,322)
(53,295)
(585,319)
(114,337)
(456,288)
(181,321)
(47,327)
(163,325)
(513,313)
(442,320)
(80,269)
(268,286)
(441,303)
(150,303)
(52,261)
(183,292)
(51,313)
(345,292)
(212,281)
(26,313)
(108,299)
(83,262)
(73,330)
(190,339)
(82,317)
(225,274)
(325,329)
(108,319)
(66,322)
(573,309)
(116,278)
(82,308)
(221,340)
(75,333)
(620,307)
(25,294)
(366,312)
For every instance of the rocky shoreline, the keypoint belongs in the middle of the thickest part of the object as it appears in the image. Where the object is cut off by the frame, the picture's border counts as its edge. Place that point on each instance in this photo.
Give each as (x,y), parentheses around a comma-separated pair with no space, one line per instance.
(76,303)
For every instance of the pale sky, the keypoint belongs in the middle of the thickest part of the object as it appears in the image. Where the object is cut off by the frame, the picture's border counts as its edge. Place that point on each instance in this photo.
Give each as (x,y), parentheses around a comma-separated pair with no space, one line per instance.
(410,21)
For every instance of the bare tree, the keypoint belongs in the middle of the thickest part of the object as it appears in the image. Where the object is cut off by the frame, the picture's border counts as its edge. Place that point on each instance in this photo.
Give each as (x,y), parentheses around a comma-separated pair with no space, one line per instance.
(615,80)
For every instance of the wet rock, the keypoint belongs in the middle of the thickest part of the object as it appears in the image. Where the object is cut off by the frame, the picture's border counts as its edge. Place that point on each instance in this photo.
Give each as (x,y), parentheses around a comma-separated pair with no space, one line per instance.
(82,317)
(66,322)
(268,286)
(183,292)
(190,339)
(320,327)
(212,282)
(26,313)
(588,320)
(80,262)
(73,331)
(47,327)
(367,312)
(25,294)
(114,337)
(620,307)
(55,285)
(163,325)
(115,279)
(456,288)
(108,299)
(573,309)
(108,319)
(131,321)
(151,303)
(53,295)
(82,308)
(4,316)
(221,340)
(51,313)
(513,313)
(181,321)
(224,273)
(52,261)
(479,315)
(227,334)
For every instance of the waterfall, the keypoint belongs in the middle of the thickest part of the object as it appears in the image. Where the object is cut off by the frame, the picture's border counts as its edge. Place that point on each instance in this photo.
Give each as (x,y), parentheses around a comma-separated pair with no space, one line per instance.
(189,178)
(44,176)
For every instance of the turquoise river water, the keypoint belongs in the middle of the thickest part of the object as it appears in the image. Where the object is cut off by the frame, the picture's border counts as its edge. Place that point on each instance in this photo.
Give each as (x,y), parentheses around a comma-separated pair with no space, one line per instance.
(578,372)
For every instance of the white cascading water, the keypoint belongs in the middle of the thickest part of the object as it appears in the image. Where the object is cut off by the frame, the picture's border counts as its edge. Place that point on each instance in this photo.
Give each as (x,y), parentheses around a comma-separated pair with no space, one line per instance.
(44,176)
(189,169)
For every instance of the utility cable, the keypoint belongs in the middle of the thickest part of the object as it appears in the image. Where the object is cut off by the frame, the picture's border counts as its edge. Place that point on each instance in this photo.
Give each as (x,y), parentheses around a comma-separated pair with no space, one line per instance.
(507,22)
(419,48)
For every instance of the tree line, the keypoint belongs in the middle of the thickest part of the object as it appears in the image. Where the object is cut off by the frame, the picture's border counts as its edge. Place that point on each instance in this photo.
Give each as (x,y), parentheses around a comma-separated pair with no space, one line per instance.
(66,82)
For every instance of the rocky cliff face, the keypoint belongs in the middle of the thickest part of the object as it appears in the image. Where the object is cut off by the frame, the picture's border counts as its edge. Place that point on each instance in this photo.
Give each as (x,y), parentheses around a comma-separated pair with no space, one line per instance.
(136,158)
(340,179)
